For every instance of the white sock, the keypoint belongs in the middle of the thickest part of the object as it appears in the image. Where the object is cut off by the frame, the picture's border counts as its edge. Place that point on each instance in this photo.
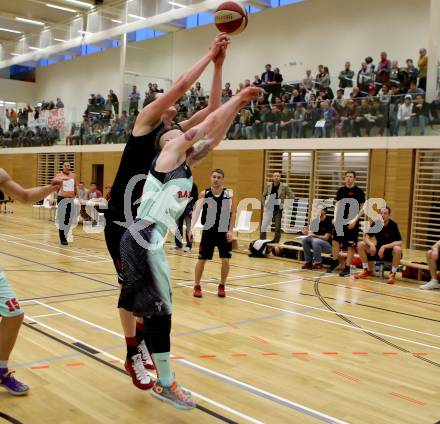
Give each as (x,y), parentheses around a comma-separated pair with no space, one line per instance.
(365,266)
(394,269)
(3,364)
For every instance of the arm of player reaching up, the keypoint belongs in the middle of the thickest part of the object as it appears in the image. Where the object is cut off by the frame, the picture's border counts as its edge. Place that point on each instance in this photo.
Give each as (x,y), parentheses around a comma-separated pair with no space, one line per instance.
(150,115)
(215,95)
(26,195)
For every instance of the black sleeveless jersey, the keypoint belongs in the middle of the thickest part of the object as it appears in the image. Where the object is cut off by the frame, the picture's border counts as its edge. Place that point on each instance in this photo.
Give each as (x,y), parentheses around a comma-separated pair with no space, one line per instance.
(218,207)
(137,158)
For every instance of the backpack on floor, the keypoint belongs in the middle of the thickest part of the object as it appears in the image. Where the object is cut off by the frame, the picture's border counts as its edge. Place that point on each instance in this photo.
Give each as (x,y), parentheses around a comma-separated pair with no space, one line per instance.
(258,248)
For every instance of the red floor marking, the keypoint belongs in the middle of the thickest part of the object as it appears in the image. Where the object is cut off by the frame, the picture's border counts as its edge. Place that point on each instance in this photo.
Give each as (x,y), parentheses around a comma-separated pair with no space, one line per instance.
(420,353)
(330,353)
(259,339)
(239,354)
(359,353)
(207,356)
(270,354)
(177,357)
(231,324)
(299,353)
(39,367)
(303,356)
(211,313)
(389,353)
(115,361)
(348,377)
(196,302)
(75,364)
(417,402)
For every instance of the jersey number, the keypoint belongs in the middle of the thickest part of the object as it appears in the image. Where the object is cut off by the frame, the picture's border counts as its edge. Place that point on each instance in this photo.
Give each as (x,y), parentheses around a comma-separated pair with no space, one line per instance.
(13,305)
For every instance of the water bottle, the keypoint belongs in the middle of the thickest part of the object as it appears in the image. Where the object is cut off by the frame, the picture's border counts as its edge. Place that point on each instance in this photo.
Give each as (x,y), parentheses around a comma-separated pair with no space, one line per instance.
(378,271)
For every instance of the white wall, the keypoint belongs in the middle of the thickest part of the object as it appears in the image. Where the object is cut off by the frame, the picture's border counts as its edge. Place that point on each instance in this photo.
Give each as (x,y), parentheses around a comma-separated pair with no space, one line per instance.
(17,91)
(74,80)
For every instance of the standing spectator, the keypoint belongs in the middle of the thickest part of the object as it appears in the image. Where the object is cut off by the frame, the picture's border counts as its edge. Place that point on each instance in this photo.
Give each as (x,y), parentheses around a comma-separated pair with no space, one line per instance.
(318,238)
(307,81)
(421,111)
(433,259)
(383,68)
(365,76)
(350,231)
(405,115)
(274,195)
(22,117)
(65,201)
(396,76)
(115,101)
(322,78)
(371,67)
(108,107)
(277,82)
(100,101)
(133,98)
(267,78)
(423,68)
(185,218)
(59,104)
(346,76)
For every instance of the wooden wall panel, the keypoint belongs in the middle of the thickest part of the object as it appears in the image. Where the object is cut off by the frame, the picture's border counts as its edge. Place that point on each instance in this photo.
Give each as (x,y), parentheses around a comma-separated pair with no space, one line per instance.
(378,160)
(398,188)
(22,168)
(110,160)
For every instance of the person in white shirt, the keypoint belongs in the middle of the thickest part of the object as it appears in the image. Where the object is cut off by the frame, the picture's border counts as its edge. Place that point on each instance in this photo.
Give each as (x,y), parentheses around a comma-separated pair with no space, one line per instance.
(405,115)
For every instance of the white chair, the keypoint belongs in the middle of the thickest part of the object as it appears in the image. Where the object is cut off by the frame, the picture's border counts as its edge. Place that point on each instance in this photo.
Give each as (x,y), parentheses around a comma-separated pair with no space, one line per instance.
(243,222)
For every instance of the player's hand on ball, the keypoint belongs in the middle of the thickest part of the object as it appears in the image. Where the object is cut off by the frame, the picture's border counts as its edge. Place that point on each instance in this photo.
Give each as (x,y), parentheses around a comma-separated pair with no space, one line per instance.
(220,41)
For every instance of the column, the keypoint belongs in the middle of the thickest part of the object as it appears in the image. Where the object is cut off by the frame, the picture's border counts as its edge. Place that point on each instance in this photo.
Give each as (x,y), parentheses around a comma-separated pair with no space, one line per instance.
(433,49)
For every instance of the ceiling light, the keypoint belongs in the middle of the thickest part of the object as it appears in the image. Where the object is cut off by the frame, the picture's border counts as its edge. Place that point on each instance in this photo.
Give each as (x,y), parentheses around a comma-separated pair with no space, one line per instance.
(33,48)
(60,40)
(65,9)
(30,21)
(116,21)
(173,3)
(10,30)
(136,16)
(80,3)
(14,54)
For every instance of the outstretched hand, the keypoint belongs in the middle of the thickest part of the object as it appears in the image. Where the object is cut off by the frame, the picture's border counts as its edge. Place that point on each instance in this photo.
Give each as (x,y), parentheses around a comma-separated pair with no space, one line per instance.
(56,182)
(251,92)
(218,46)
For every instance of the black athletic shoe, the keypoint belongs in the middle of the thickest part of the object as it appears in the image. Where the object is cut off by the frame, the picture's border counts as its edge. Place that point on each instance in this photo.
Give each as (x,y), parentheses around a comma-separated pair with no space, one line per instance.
(64,242)
(333,266)
(345,272)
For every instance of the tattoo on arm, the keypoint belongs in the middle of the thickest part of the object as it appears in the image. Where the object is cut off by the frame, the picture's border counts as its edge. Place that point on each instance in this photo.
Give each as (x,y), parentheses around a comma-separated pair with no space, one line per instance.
(201,151)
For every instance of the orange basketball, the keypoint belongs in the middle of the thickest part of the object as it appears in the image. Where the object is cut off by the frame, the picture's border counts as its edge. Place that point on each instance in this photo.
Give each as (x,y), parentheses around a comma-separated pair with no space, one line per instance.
(231,17)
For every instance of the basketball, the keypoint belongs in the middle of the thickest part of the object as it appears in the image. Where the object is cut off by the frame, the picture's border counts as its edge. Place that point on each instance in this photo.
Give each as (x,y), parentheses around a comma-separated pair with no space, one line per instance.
(231,17)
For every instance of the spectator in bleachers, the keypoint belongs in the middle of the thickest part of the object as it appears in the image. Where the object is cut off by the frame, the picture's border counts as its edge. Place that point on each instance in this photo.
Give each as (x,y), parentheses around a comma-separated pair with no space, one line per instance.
(277,81)
(134,98)
(433,259)
(385,245)
(295,97)
(349,118)
(100,101)
(22,117)
(59,104)
(308,82)
(365,76)
(267,78)
(257,126)
(409,73)
(423,68)
(226,92)
(273,120)
(362,120)
(299,121)
(108,107)
(243,127)
(240,88)
(371,67)
(285,129)
(12,116)
(405,115)
(378,116)
(396,76)
(383,68)
(93,192)
(346,76)
(328,118)
(115,101)
(421,113)
(197,92)
(257,81)
(318,239)
(414,90)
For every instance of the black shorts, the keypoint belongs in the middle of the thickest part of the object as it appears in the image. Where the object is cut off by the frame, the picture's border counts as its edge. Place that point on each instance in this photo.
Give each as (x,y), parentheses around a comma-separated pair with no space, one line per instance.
(387,256)
(113,234)
(211,240)
(350,237)
(146,286)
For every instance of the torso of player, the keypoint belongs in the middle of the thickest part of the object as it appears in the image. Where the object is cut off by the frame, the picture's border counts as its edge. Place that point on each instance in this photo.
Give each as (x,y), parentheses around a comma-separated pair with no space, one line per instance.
(68,185)
(165,196)
(219,202)
(137,158)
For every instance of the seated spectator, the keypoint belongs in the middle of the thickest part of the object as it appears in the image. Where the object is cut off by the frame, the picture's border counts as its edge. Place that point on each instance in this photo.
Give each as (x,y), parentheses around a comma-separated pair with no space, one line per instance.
(240,88)
(295,97)
(273,120)
(197,92)
(377,117)
(396,76)
(59,104)
(83,196)
(93,192)
(299,121)
(327,119)
(338,100)
(357,93)
(363,119)
(384,95)
(257,126)
(433,259)
(285,129)
(346,76)
(100,101)
(421,113)
(405,115)
(411,71)
(243,128)
(318,239)
(385,245)
(414,90)
(53,135)
(108,192)
(133,98)
(108,107)
(226,92)
(257,81)
(349,118)
(308,82)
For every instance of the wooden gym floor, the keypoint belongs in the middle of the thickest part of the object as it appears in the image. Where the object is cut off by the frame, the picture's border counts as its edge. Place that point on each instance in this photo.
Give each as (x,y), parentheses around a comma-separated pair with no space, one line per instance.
(285,345)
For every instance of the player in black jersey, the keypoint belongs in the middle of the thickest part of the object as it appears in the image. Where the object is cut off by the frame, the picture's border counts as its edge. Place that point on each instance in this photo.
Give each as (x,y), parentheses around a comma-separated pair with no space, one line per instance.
(136,160)
(218,217)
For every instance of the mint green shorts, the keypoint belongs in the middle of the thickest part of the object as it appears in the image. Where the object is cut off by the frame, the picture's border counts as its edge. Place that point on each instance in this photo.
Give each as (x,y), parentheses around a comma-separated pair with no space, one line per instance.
(9,306)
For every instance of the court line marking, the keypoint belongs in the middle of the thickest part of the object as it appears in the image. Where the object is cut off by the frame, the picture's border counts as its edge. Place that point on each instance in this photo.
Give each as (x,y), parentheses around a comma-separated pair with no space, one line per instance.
(47,315)
(324,320)
(256,286)
(252,389)
(243,290)
(48,251)
(81,252)
(115,358)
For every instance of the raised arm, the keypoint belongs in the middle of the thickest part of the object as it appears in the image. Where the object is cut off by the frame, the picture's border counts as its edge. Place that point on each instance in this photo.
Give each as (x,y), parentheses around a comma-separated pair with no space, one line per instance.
(26,195)
(150,115)
(215,95)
